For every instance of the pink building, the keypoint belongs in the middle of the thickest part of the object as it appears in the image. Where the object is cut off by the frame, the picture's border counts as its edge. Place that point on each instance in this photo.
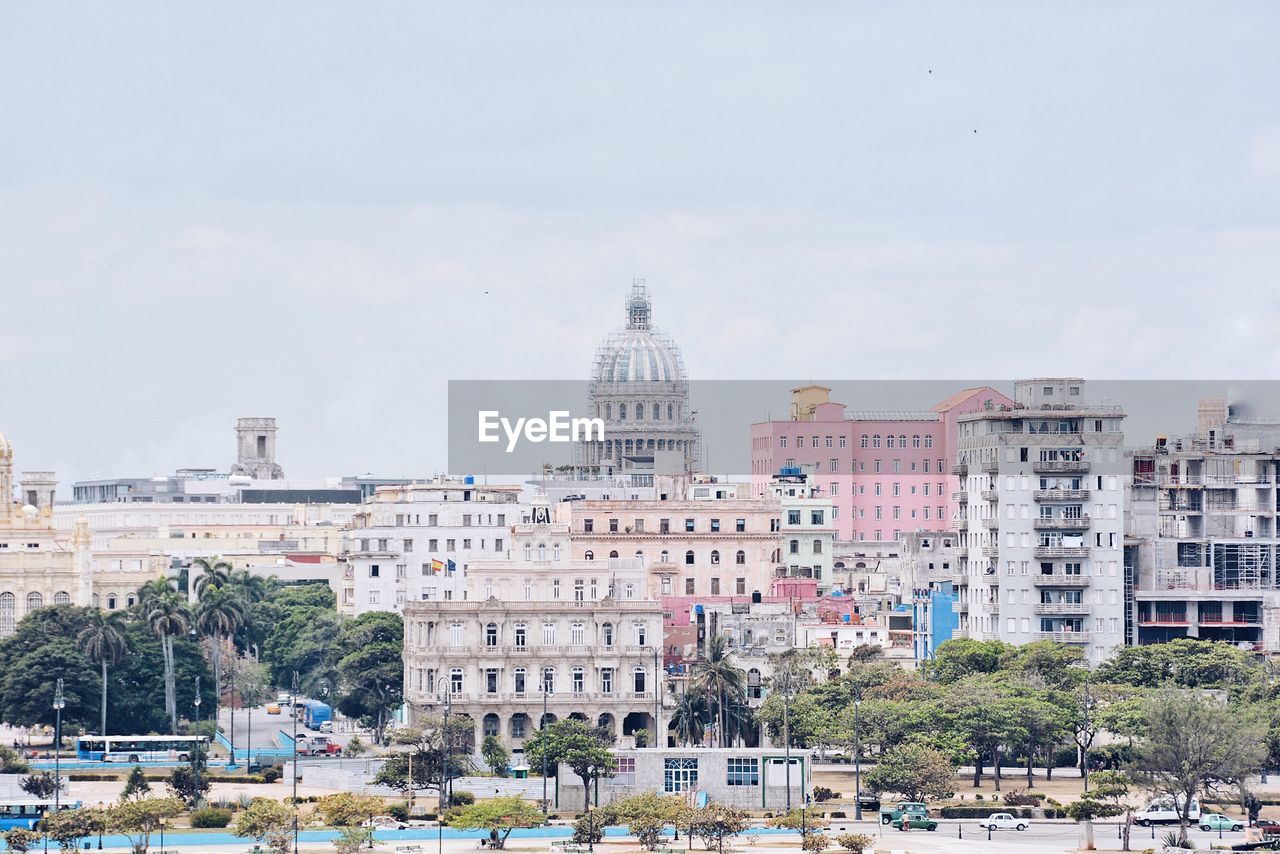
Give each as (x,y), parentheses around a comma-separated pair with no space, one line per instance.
(885,472)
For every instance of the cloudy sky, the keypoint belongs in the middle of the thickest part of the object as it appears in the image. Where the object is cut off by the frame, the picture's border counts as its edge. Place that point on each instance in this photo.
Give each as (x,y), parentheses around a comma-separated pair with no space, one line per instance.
(323,212)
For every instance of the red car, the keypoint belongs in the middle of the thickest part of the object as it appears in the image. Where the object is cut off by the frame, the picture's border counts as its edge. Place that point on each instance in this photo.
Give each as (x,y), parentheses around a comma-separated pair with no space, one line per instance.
(1269,826)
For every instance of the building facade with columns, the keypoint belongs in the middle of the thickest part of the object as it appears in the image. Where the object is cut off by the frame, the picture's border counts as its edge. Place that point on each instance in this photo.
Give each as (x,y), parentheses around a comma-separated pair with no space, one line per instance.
(590,631)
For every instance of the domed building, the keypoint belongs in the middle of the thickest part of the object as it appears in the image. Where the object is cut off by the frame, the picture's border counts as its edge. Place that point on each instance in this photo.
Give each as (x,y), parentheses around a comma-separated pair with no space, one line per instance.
(640,390)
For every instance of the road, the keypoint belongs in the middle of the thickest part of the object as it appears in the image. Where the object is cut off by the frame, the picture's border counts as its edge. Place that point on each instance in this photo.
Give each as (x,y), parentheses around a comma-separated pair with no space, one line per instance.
(256,730)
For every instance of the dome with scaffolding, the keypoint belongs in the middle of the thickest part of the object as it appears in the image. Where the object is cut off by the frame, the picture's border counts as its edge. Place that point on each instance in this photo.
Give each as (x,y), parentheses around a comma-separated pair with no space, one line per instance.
(640,390)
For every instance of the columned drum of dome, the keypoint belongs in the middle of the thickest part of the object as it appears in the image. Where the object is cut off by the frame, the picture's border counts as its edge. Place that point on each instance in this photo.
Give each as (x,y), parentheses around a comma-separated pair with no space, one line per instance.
(640,390)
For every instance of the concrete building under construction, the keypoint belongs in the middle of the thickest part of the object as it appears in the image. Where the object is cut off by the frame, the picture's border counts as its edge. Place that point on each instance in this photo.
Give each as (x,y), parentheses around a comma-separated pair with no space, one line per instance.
(1200,555)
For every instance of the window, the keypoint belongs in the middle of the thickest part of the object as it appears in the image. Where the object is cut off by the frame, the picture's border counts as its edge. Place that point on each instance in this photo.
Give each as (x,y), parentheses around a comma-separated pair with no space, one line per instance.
(743,772)
(590,555)
(7,614)
(626,771)
(679,775)
(578,680)
(548,634)
(549,680)
(606,680)
(61,598)
(555,589)
(740,558)
(455,680)
(782,441)
(715,526)
(577,634)
(688,587)
(606,634)
(817,517)
(793,517)
(520,680)
(688,526)
(521,633)
(715,556)
(638,679)
(928,442)
(579,590)
(715,586)
(688,558)
(915,441)
(491,680)
(374,570)
(455,634)
(740,586)
(491,634)
(588,525)
(862,442)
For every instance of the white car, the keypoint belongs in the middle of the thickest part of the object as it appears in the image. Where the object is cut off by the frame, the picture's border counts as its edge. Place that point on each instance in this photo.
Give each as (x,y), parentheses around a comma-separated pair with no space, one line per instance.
(1003,821)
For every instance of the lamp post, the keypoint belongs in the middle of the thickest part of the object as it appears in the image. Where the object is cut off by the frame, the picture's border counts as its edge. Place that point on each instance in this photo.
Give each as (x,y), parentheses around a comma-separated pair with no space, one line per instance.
(102,820)
(162,823)
(658,686)
(444,767)
(1088,702)
(857,763)
(59,703)
(195,754)
(293,712)
(542,725)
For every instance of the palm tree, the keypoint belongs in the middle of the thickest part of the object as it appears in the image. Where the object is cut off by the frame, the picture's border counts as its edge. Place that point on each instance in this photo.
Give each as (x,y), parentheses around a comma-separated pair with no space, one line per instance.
(211,572)
(687,717)
(103,641)
(252,587)
(720,680)
(219,613)
(168,617)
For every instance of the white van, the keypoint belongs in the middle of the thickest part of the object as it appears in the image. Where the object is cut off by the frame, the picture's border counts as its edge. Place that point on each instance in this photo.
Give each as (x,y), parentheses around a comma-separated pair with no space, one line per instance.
(1162,812)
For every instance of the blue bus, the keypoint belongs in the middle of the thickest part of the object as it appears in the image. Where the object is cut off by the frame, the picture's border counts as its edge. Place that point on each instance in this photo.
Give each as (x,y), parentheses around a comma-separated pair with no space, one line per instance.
(27,812)
(315,713)
(139,748)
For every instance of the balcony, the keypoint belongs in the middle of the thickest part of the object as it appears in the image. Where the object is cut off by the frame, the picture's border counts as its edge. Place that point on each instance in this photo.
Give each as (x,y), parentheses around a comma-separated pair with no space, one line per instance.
(1060,551)
(1061,523)
(1066,466)
(1063,637)
(960,497)
(991,524)
(990,495)
(1059,579)
(990,466)
(1050,609)
(1060,495)
(960,469)
(991,552)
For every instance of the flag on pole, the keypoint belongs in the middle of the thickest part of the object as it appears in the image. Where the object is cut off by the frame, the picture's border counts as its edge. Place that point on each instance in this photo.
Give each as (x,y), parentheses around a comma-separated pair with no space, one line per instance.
(452,567)
(437,566)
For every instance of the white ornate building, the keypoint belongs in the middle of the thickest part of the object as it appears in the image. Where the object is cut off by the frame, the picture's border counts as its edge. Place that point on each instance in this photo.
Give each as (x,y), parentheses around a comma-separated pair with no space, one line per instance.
(590,631)
(640,390)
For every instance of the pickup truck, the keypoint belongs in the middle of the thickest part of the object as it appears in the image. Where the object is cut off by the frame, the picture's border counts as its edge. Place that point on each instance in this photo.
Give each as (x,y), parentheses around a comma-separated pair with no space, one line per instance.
(317,745)
(904,809)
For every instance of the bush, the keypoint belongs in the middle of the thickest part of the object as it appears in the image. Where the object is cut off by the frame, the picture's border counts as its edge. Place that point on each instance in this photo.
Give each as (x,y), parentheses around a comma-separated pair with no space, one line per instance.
(400,812)
(838,814)
(815,843)
(1022,799)
(211,817)
(270,775)
(822,793)
(461,799)
(855,842)
(983,812)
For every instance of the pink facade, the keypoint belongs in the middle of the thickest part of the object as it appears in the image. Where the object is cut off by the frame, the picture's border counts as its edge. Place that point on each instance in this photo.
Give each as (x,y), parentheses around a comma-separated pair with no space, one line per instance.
(886,473)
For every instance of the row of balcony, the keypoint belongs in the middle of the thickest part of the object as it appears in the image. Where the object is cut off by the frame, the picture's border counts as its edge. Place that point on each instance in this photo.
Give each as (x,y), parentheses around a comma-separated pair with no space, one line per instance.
(1061,608)
(553,699)
(1060,495)
(545,650)
(1059,579)
(1060,523)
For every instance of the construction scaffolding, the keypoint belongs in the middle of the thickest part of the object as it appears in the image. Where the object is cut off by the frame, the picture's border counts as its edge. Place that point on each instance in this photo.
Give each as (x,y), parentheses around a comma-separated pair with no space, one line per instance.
(1241,566)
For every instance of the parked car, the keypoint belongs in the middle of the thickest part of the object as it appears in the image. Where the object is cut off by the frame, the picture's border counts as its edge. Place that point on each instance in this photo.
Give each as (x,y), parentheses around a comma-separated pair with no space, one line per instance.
(1269,826)
(895,814)
(1162,812)
(1218,821)
(1004,821)
(868,800)
(326,726)
(917,822)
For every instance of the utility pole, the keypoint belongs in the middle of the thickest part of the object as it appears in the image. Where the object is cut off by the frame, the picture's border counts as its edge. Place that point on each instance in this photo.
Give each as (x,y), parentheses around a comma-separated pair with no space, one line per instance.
(542,725)
(196,755)
(59,703)
(444,769)
(293,712)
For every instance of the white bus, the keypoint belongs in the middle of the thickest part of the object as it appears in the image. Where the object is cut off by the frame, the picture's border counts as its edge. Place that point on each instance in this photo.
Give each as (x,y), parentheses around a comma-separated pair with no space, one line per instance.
(139,748)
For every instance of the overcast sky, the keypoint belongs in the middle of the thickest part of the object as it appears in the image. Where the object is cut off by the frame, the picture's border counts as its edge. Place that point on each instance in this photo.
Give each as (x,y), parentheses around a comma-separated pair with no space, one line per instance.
(323,212)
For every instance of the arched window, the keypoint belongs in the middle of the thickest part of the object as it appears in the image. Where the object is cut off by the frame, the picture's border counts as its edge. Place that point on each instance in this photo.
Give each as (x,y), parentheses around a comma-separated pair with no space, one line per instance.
(638,679)
(549,680)
(491,634)
(664,556)
(62,598)
(639,411)
(753,684)
(915,441)
(875,441)
(521,633)
(613,553)
(8,621)
(862,443)
(97,601)
(111,601)
(622,412)
(928,441)
(740,558)
(793,547)
(629,590)
(669,411)
(579,590)
(817,547)
(542,551)
(608,412)
(455,680)
(657,412)
(590,555)
(688,558)
(528,552)
(888,441)
(639,554)
(578,681)
(491,724)
(902,441)
(34,601)
(129,601)
(715,556)
(519,686)
(555,551)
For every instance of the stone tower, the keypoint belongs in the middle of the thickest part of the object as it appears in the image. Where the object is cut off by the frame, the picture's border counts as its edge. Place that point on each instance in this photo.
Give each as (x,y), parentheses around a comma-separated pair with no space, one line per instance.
(6,479)
(256,449)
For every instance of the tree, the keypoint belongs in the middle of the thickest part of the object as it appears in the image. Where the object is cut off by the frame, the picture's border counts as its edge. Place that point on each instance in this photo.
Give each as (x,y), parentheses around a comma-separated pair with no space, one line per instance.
(1111,788)
(646,815)
(916,772)
(583,748)
(21,840)
(350,839)
(1195,742)
(268,821)
(136,785)
(367,658)
(190,783)
(68,827)
(11,762)
(427,749)
(1086,810)
(720,681)
(716,822)
(959,658)
(300,642)
(219,613)
(807,820)
(347,808)
(499,816)
(168,617)
(139,819)
(210,572)
(987,718)
(40,785)
(495,755)
(689,713)
(1182,662)
(855,843)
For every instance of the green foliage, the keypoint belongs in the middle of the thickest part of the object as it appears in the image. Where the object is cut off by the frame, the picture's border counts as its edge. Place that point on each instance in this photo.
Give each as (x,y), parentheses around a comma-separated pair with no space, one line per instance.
(1182,663)
(300,641)
(210,817)
(801,818)
(917,773)
(425,743)
(461,799)
(583,748)
(647,815)
(500,815)
(41,784)
(139,819)
(350,839)
(715,823)
(11,762)
(855,843)
(68,827)
(270,775)
(190,783)
(268,821)
(815,842)
(495,755)
(354,747)
(367,658)
(135,785)
(21,840)
(347,808)
(1087,809)
(959,658)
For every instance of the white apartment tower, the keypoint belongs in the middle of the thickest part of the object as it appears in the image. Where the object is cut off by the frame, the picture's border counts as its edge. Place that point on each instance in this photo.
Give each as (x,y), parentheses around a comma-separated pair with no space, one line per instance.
(1042,519)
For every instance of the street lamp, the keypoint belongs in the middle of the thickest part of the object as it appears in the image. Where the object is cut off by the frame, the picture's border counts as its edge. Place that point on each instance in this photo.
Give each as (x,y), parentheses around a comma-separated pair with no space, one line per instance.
(102,820)
(542,725)
(857,763)
(195,754)
(293,713)
(162,824)
(59,703)
(445,755)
